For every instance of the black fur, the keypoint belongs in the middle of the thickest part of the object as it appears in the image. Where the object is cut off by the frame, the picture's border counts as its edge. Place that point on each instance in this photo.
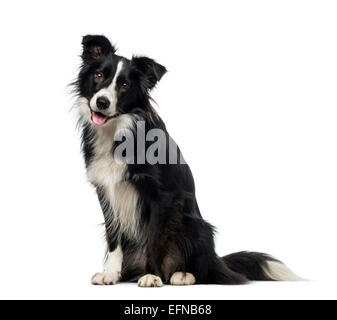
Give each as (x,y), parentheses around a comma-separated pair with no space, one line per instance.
(174,236)
(250,264)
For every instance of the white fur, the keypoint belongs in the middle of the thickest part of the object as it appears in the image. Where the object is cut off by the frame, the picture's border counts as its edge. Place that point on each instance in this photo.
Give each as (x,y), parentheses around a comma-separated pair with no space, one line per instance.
(109,173)
(109,92)
(280,272)
(115,260)
(150,280)
(83,110)
(182,279)
(113,269)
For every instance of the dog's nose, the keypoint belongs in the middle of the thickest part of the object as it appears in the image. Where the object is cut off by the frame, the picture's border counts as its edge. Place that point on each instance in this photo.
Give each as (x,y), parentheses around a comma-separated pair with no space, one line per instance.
(102,103)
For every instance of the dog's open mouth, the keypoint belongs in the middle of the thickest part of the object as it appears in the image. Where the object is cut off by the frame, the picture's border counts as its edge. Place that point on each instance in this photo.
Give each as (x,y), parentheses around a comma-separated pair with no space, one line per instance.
(99,118)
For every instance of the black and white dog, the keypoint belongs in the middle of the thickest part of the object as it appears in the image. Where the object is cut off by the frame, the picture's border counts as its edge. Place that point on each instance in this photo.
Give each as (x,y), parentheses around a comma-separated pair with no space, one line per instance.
(154,230)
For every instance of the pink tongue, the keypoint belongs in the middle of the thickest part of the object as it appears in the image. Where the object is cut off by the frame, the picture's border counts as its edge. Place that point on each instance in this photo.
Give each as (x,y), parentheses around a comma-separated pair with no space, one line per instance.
(98,119)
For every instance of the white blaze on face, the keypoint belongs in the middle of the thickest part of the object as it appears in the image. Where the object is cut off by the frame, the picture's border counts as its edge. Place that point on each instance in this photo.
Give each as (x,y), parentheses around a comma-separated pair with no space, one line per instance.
(109,93)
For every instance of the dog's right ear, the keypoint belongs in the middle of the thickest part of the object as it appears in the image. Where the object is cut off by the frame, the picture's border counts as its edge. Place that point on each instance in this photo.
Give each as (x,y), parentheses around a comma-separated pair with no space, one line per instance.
(95,46)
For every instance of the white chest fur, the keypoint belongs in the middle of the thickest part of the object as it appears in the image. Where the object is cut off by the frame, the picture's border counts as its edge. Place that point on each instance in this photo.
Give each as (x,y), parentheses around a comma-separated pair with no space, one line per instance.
(111,175)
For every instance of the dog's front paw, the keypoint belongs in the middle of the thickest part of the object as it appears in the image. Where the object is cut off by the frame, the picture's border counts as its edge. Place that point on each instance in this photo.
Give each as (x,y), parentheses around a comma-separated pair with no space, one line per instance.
(101,279)
(149,280)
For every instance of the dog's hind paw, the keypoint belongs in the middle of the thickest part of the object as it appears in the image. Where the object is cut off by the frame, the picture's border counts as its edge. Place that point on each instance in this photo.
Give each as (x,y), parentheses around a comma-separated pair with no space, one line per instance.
(182,279)
(150,280)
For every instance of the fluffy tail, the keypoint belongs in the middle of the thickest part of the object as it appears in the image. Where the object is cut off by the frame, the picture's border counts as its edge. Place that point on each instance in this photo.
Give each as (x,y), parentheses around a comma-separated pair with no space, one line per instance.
(259,266)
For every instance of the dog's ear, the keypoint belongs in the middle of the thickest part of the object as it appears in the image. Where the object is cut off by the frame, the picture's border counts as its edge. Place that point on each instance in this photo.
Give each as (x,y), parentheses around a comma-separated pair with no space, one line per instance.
(94,46)
(152,70)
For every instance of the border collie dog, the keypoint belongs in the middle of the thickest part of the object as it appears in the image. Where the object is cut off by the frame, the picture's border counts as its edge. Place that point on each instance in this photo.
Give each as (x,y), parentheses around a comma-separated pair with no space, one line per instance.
(154,230)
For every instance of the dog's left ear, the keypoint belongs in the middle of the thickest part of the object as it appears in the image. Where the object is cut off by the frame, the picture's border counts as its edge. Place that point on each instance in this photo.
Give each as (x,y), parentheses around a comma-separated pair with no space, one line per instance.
(152,70)
(94,46)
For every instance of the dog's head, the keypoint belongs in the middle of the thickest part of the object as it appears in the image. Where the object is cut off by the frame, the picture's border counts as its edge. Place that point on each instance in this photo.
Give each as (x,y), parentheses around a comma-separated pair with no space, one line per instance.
(112,84)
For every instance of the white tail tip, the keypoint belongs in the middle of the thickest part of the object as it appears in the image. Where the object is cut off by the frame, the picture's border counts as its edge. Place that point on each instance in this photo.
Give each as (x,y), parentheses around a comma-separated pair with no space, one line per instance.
(280,272)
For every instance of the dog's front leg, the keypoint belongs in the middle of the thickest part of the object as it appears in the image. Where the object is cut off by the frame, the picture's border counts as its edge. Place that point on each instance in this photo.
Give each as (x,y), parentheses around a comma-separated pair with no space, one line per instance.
(113,269)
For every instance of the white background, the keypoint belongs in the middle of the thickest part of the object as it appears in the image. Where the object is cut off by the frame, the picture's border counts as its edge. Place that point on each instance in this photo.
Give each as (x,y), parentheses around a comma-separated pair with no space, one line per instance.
(250,97)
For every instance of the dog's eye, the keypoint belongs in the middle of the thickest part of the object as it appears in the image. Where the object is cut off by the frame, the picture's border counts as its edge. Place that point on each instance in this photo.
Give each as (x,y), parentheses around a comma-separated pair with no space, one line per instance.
(125,85)
(99,76)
